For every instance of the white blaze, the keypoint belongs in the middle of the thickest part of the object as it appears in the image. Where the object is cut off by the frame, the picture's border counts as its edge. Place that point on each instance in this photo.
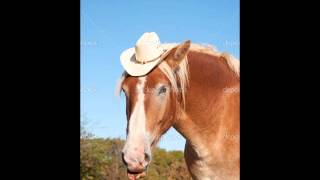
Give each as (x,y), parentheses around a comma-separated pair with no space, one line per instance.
(137,122)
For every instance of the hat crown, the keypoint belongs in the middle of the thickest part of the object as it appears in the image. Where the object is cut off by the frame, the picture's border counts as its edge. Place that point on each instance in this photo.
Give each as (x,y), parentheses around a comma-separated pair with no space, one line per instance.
(148,47)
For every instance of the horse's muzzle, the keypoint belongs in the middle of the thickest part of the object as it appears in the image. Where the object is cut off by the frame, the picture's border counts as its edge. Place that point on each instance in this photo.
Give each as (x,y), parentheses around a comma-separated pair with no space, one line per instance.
(136,162)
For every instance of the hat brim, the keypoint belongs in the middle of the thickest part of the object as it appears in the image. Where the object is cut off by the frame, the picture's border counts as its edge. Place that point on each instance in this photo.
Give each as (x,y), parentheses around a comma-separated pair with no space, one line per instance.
(132,67)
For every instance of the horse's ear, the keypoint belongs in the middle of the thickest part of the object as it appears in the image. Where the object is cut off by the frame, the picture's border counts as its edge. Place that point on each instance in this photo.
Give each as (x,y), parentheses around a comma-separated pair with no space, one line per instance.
(179,53)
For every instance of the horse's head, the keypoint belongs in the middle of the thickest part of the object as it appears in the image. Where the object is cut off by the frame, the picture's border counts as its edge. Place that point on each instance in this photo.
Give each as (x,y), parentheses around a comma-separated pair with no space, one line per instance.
(152,104)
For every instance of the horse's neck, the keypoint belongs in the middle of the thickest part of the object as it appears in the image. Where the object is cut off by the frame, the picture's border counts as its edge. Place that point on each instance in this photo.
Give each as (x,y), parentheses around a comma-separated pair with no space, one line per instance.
(211,113)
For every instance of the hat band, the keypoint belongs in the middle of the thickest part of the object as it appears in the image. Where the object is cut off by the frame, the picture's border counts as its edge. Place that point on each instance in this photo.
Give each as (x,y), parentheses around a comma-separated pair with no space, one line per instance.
(147,61)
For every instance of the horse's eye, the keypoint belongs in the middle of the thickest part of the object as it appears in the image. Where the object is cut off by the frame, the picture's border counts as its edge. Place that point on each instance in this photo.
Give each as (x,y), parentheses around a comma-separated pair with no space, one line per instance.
(162,90)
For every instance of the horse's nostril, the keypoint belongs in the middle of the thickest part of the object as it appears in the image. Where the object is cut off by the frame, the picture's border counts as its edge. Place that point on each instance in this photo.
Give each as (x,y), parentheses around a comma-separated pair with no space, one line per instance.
(122,156)
(147,157)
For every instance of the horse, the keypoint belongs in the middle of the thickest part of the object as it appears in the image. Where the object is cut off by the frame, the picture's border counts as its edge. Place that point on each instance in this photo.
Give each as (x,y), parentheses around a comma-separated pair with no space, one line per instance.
(195,90)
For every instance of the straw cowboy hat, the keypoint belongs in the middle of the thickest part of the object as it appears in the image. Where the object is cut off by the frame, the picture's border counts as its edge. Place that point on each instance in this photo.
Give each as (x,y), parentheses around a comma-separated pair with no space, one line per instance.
(147,54)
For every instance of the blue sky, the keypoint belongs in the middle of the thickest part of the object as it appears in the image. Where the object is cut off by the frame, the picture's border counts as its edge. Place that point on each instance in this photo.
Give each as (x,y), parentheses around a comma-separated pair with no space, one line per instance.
(109,27)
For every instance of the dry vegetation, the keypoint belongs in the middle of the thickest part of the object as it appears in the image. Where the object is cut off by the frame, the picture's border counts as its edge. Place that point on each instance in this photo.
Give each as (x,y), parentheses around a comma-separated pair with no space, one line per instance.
(100,159)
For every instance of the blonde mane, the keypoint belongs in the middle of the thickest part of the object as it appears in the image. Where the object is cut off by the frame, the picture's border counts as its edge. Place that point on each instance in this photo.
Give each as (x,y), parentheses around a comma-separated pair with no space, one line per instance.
(179,79)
